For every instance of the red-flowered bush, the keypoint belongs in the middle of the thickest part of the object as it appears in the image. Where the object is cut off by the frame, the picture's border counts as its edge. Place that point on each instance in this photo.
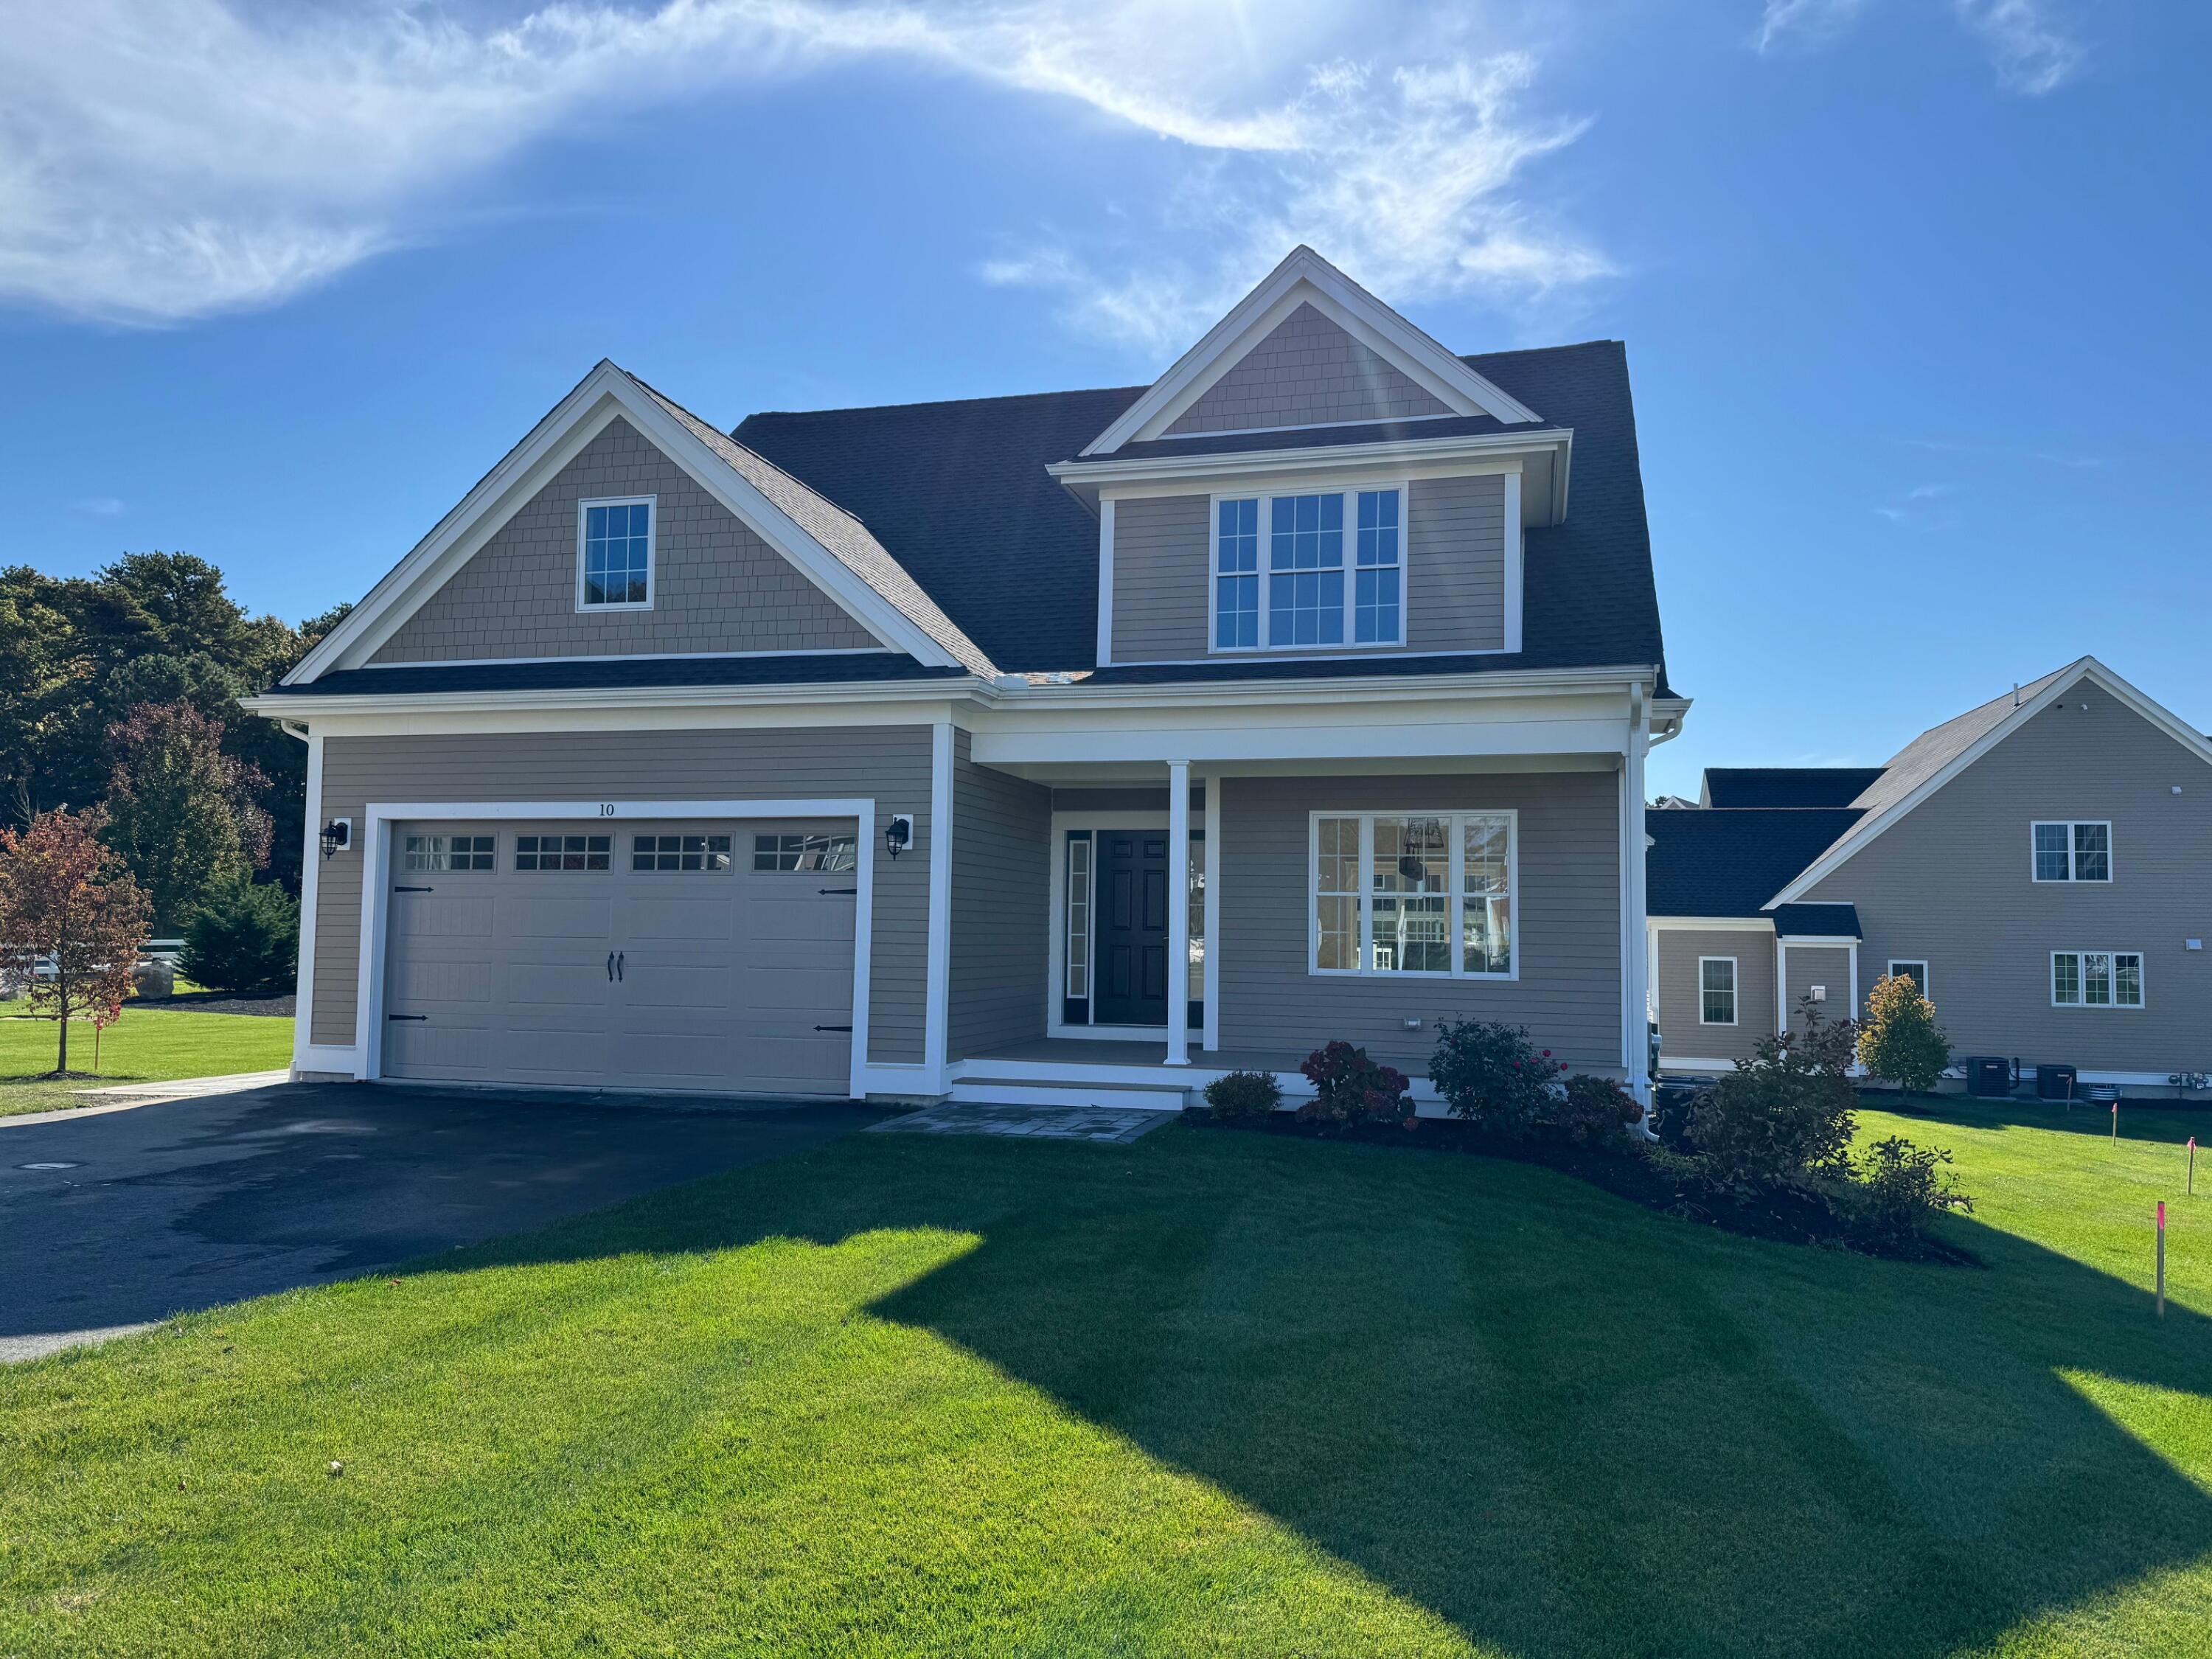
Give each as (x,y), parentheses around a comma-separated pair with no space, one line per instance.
(1350,1088)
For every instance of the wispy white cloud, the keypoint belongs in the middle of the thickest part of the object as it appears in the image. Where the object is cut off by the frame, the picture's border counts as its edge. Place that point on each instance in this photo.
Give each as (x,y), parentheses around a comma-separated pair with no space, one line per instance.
(2072,459)
(1917,505)
(98,507)
(2030,42)
(163,160)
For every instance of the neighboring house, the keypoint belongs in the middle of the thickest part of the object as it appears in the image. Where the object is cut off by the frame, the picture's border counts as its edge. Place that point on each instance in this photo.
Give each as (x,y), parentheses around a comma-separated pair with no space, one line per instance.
(1084,743)
(2042,865)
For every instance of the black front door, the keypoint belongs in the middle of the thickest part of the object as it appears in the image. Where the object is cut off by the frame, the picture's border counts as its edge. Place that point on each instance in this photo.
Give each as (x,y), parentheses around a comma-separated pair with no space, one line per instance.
(1133,931)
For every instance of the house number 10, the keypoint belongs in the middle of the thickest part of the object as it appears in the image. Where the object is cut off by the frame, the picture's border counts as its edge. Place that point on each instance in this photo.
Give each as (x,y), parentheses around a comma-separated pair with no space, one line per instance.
(607,809)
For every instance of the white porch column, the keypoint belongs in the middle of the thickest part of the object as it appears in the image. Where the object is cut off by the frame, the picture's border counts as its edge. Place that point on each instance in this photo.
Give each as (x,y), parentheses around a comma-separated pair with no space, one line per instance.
(1178,912)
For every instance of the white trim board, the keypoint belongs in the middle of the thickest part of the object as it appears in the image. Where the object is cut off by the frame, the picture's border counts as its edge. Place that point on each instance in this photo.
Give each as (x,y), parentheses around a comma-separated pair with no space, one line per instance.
(2087,668)
(378,817)
(604,394)
(1305,279)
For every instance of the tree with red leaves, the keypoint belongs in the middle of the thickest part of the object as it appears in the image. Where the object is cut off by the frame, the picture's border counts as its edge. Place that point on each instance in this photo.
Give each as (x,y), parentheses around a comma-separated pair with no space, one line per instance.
(68,900)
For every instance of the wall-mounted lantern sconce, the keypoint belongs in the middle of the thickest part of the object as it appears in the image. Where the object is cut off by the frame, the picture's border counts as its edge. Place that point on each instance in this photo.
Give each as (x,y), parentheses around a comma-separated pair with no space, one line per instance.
(898,833)
(337,836)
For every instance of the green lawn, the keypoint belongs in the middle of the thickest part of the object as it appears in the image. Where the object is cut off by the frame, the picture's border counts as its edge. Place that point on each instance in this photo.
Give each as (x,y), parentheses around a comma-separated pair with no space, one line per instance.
(146,1045)
(1208,1394)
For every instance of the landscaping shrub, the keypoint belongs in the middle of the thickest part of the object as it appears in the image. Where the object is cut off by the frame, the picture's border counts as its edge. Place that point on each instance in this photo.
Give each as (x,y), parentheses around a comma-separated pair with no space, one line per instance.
(1900,1041)
(1351,1088)
(1243,1097)
(1591,1111)
(1784,1118)
(1897,1188)
(1493,1075)
(244,937)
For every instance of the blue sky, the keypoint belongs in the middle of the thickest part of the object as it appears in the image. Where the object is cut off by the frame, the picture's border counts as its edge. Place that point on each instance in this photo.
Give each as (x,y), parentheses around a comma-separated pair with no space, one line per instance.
(1913,289)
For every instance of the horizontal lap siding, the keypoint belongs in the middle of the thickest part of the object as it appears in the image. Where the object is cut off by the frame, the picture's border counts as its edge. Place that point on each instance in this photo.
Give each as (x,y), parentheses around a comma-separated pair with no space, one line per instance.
(1683,1034)
(1307,371)
(1160,550)
(1455,564)
(1949,883)
(891,763)
(1567,933)
(1001,870)
(1826,965)
(717,586)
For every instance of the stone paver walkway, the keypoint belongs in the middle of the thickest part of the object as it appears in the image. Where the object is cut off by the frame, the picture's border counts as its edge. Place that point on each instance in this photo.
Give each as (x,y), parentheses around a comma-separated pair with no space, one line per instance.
(1108,1123)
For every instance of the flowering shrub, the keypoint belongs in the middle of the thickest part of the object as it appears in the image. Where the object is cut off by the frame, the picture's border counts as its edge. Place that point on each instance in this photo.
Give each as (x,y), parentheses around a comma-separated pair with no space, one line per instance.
(1349,1088)
(1494,1075)
(1243,1097)
(1592,1111)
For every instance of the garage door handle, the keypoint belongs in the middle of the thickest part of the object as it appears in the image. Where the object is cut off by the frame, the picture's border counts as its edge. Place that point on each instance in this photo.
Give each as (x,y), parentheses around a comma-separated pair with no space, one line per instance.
(611,967)
(621,970)
(414,890)
(833,1028)
(847,890)
(407,1016)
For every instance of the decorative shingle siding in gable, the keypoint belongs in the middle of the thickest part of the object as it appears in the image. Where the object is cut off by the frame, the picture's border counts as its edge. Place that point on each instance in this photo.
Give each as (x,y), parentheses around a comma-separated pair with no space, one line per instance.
(717,586)
(1307,372)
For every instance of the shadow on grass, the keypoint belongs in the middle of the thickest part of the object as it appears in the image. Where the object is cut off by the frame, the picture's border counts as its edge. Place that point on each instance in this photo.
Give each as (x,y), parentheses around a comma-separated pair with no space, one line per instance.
(2144,1120)
(1564,1423)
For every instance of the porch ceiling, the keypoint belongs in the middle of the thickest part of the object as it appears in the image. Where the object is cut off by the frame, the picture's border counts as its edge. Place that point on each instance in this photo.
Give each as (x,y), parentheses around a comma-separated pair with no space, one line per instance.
(1094,773)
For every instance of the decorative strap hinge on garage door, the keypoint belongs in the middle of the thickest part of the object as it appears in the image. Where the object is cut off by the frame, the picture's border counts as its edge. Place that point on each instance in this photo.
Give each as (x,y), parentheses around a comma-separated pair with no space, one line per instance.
(848,891)
(414,890)
(833,1028)
(407,1016)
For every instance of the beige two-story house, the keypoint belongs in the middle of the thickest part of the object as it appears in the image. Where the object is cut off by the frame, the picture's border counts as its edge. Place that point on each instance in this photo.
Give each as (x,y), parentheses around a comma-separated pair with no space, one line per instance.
(2042,865)
(1077,746)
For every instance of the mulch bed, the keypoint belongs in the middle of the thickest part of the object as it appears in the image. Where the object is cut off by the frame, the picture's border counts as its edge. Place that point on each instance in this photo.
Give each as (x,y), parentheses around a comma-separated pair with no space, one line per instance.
(1785,1217)
(222,1002)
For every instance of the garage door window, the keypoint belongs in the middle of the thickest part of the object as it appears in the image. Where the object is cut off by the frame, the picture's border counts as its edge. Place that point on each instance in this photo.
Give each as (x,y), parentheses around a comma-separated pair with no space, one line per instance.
(679,853)
(424,854)
(563,852)
(824,853)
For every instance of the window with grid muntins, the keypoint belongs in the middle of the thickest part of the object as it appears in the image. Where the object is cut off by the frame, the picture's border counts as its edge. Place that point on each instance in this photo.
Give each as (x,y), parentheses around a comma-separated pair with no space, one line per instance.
(2073,852)
(549,851)
(679,853)
(617,553)
(1305,565)
(1387,887)
(829,853)
(1237,575)
(1376,593)
(428,854)
(1716,990)
(2097,979)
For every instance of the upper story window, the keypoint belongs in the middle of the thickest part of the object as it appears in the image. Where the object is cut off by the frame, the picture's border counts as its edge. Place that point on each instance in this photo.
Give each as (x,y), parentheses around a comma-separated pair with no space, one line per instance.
(614,557)
(1297,595)
(2073,852)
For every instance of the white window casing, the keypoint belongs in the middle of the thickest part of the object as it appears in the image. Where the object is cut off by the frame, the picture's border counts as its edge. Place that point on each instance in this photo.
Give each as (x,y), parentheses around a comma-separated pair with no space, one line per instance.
(1366,915)
(1716,991)
(2097,979)
(1371,563)
(615,534)
(1897,965)
(2070,850)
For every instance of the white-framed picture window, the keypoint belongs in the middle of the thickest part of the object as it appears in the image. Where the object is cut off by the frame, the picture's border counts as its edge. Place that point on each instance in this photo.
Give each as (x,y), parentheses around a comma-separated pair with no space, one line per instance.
(2069,850)
(614,553)
(1313,570)
(1716,990)
(1427,894)
(1911,968)
(2096,979)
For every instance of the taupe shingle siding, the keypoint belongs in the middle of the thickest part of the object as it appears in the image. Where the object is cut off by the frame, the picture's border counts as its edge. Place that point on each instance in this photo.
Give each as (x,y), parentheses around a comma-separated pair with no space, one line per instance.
(1307,372)
(1001,874)
(717,586)
(891,763)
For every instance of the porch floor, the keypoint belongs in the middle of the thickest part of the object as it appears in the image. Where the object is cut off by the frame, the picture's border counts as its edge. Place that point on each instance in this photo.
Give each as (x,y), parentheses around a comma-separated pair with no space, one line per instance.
(1145,1052)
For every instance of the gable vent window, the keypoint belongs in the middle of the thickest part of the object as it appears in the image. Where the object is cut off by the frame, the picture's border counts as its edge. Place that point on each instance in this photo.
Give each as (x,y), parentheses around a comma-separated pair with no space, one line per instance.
(1281,564)
(614,568)
(2073,852)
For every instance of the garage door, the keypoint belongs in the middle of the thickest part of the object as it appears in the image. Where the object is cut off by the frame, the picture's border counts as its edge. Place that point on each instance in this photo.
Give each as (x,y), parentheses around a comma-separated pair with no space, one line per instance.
(715,957)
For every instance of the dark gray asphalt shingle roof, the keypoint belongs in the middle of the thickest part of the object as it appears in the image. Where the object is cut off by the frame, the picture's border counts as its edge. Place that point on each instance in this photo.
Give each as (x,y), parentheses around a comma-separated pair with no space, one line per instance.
(1786,786)
(1711,863)
(958,494)
(1312,437)
(588,673)
(1817,921)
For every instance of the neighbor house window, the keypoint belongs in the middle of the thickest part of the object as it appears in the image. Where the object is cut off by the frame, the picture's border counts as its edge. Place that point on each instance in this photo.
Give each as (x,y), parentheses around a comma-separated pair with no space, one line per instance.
(829,853)
(679,853)
(1425,893)
(1915,971)
(545,852)
(1716,990)
(2073,852)
(2097,979)
(426,853)
(615,560)
(1235,575)
(1294,552)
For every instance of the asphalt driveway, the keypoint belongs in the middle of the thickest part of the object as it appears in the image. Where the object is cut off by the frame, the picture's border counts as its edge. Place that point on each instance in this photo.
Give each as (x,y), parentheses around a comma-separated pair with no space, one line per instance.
(126,1217)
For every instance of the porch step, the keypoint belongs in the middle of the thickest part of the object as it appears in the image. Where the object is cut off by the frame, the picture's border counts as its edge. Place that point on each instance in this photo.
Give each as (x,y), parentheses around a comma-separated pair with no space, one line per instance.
(1014,1092)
